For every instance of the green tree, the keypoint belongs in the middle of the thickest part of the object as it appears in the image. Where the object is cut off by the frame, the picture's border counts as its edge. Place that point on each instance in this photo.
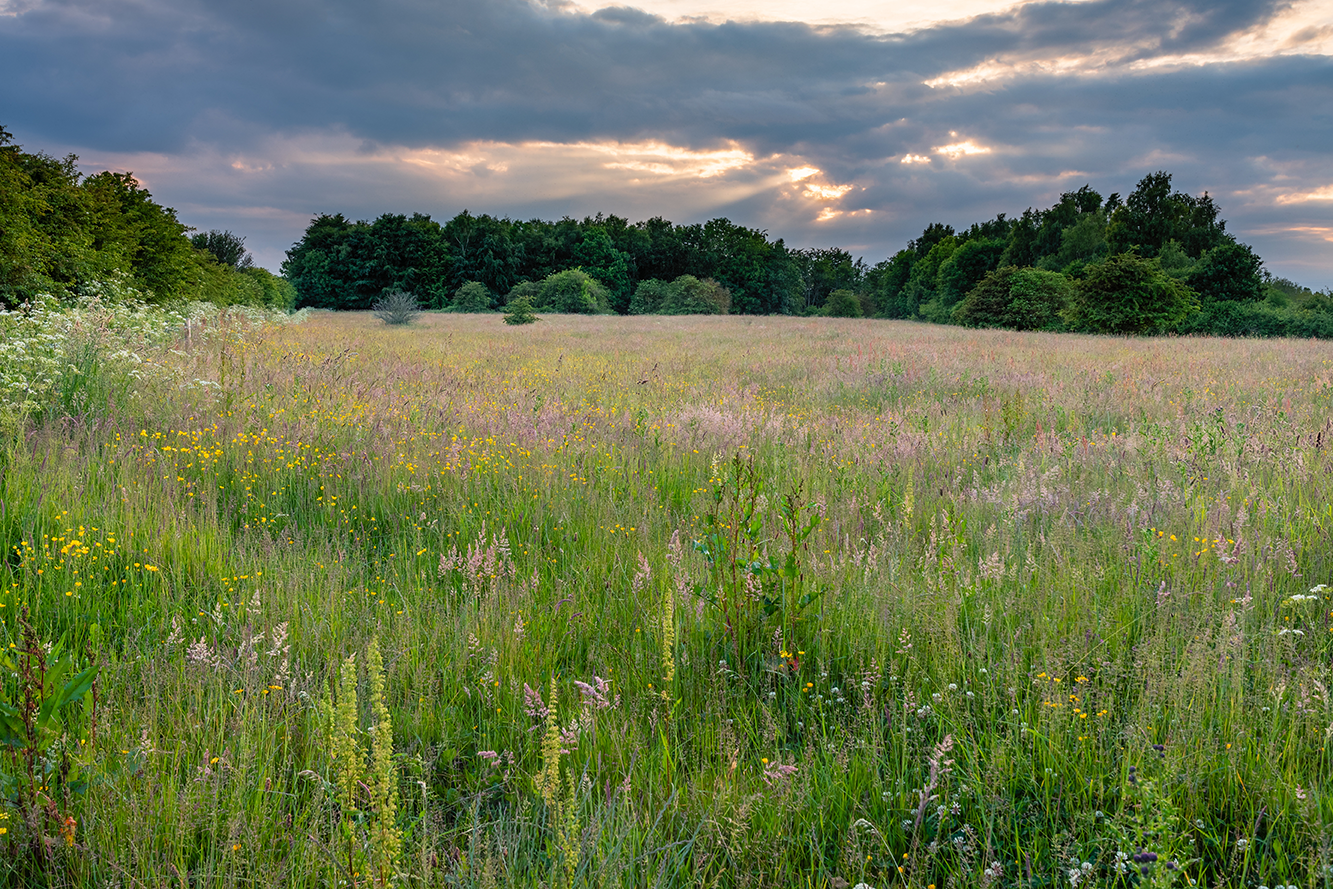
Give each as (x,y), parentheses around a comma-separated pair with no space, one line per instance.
(987,304)
(760,275)
(886,283)
(598,256)
(1174,260)
(483,248)
(1082,242)
(966,266)
(1022,248)
(275,293)
(227,248)
(923,284)
(1037,298)
(1127,294)
(148,236)
(826,270)
(1152,215)
(1018,299)
(1229,272)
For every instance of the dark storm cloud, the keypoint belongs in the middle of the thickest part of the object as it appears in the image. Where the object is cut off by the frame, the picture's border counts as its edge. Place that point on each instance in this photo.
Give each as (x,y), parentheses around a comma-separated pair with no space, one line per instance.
(140,74)
(170,77)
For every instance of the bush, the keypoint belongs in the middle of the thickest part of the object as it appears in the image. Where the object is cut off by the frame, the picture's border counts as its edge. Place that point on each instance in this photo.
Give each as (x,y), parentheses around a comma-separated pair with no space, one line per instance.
(688,295)
(987,304)
(1127,294)
(276,293)
(1016,298)
(1231,318)
(648,297)
(573,291)
(519,311)
(396,308)
(530,289)
(472,297)
(842,304)
(1036,299)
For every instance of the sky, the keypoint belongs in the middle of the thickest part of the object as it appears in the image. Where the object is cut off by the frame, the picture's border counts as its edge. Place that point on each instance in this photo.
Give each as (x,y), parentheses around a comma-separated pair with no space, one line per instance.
(845,123)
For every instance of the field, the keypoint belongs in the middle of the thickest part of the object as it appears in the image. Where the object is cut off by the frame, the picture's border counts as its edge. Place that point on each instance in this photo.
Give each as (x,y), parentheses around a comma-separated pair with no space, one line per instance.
(669,602)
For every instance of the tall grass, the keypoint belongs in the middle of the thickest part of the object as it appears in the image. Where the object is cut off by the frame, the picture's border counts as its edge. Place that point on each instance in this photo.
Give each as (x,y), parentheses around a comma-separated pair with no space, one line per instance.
(1064,630)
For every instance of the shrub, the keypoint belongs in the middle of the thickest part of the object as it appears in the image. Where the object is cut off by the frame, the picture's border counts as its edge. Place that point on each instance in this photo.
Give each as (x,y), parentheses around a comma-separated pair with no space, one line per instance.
(472,297)
(648,297)
(689,295)
(1036,299)
(987,304)
(1231,318)
(1016,298)
(842,304)
(396,308)
(573,291)
(1127,294)
(530,289)
(519,311)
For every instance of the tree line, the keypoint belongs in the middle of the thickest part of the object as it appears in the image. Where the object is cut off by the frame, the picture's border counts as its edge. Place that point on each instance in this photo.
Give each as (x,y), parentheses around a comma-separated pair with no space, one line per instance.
(1157,261)
(341,264)
(68,235)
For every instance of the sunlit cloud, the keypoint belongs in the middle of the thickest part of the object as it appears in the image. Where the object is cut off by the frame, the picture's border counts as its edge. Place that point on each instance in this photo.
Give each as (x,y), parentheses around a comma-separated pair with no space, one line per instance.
(661,159)
(914,159)
(1304,27)
(655,158)
(828,214)
(799,173)
(998,70)
(961,149)
(826,192)
(1319,194)
(1302,232)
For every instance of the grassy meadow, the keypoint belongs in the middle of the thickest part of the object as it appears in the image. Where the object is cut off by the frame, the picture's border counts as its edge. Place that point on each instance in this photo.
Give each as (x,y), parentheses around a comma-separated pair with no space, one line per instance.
(652,601)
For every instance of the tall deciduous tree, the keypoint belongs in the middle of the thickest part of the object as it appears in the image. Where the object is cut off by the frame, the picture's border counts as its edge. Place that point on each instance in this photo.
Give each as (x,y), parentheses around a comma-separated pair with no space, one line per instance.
(1152,215)
(227,248)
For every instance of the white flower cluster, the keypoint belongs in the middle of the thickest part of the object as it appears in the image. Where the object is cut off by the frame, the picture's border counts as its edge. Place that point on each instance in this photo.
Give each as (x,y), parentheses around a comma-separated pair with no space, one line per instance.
(60,358)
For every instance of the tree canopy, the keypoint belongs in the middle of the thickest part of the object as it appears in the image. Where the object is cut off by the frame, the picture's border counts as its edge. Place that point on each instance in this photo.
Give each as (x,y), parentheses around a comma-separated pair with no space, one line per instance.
(66,234)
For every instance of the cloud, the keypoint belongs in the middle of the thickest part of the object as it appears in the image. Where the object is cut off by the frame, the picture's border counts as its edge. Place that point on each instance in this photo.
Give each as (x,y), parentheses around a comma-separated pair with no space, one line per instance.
(956,150)
(1318,194)
(253,115)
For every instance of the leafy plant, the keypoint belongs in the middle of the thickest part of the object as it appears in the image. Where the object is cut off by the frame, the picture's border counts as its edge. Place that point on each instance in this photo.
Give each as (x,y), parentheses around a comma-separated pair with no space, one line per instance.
(365,787)
(397,308)
(749,585)
(44,736)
